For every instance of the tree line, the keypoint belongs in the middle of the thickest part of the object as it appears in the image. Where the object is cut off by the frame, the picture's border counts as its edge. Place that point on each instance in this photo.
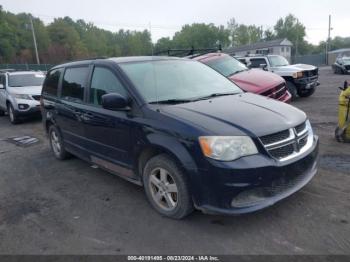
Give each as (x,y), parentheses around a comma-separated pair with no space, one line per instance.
(65,39)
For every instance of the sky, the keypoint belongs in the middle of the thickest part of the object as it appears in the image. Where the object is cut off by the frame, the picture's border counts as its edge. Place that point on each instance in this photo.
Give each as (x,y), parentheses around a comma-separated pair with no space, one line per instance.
(165,17)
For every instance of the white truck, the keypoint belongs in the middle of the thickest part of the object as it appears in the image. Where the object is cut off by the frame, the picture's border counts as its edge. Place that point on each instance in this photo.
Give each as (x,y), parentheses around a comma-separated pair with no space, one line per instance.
(301,79)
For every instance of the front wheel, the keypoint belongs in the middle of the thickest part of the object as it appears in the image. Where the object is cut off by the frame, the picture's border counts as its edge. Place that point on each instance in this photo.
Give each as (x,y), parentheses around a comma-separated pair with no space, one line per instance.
(167,187)
(306,92)
(12,114)
(292,89)
(56,143)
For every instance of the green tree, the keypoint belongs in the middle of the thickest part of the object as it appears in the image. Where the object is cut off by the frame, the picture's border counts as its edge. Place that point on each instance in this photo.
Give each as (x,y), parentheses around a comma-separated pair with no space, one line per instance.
(201,36)
(290,28)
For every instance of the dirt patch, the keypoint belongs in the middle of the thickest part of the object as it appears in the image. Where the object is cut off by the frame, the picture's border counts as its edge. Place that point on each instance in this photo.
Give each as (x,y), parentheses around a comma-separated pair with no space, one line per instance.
(338,163)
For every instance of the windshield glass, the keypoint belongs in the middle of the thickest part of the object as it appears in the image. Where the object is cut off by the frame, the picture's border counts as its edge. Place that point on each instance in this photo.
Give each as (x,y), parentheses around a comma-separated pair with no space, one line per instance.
(176,79)
(22,80)
(278,61)
(227,65)
(346,60)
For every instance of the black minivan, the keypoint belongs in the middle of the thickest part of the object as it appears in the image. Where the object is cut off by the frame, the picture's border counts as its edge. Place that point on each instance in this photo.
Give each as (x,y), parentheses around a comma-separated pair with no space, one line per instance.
(181,130)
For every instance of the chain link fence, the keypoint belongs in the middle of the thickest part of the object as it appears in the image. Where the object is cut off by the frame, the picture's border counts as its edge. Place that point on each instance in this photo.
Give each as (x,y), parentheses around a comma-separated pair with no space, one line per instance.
(34,67)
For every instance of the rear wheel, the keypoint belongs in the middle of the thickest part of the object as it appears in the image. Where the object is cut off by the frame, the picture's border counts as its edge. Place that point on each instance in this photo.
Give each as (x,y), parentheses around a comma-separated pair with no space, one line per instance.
(292,89)
(12,114)
(167,187)
(306,92)
(56,143)
(2,113)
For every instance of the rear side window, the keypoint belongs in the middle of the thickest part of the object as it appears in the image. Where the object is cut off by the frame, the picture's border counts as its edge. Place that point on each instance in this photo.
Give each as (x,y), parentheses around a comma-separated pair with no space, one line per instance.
(51,82)
(2,80)
(256,62)
(104,82)
(74,83)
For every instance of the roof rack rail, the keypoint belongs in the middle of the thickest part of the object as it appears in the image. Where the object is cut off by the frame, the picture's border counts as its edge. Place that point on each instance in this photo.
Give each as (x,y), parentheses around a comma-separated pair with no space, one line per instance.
(7,70)
(90,58)
(190,53)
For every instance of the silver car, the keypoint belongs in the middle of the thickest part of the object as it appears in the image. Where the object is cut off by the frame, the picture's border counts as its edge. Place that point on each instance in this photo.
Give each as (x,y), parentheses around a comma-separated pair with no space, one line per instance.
(20,93)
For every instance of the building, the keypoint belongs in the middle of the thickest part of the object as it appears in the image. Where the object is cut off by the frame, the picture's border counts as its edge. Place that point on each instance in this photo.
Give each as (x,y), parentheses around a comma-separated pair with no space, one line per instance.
(274,47)
(332,55)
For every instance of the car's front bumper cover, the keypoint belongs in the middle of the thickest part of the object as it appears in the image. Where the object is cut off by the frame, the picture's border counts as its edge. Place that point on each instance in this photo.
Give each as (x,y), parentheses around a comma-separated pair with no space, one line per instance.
(240,190)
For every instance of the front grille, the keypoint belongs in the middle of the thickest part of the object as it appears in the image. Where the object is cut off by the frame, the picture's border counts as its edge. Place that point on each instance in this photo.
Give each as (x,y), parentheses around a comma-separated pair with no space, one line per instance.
(311,73)
(300,128)
(37,97)
(286,143)
(276,92)
(347,67)
(270,139)
(281,92)
(282,152)
(302,142)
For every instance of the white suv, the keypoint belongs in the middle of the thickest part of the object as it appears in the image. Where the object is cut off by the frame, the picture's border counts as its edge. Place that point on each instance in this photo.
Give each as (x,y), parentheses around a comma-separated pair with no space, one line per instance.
(301,79)
(20,93)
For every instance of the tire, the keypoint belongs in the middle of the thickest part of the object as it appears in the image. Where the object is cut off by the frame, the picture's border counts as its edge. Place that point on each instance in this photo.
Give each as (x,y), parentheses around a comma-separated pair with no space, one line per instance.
(307,92)
(167,187)
(2,113)
(292,90)
(12,114)
(56,143)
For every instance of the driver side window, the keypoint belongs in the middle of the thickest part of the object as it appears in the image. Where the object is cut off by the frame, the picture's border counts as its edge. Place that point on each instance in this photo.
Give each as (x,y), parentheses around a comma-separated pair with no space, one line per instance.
(103,82)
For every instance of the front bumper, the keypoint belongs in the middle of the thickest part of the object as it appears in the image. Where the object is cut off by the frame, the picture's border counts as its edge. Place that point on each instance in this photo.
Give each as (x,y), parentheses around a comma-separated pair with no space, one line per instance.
(235,189)
(24,108)
(307,82)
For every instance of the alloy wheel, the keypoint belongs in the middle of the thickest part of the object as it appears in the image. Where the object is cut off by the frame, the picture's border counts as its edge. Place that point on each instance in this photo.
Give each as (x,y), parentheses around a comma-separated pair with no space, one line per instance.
(55,142)
(163,189)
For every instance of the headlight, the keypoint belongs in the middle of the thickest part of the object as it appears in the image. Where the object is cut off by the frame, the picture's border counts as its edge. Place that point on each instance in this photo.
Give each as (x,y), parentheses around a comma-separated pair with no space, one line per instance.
(227,148)
(298,75)
(22,96)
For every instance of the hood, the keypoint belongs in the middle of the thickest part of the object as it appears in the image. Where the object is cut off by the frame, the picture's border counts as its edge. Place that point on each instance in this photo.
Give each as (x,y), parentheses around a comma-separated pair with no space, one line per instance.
(238,115)
(256,81)
(27,90)
(297,67)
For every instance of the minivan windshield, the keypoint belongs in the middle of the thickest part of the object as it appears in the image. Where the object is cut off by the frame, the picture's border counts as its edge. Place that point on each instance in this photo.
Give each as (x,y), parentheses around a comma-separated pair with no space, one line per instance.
(227,65)
(346,60)
(23,80)
(177,80)
(278,61)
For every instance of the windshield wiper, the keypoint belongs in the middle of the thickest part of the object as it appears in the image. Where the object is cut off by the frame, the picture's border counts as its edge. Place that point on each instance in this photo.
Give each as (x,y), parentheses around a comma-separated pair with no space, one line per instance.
(216,95)
(172,101)
(236,72)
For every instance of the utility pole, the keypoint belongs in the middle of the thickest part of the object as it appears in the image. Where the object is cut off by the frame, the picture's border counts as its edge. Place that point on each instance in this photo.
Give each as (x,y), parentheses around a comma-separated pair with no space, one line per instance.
(150,31)
(328,44)
(34,40)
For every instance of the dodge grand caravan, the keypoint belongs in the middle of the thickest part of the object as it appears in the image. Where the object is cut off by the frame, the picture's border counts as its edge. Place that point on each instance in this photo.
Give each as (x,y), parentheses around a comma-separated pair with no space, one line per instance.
(181,130)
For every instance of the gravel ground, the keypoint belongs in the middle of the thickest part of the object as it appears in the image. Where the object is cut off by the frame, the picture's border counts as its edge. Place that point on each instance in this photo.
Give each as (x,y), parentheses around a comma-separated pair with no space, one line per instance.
(53,207)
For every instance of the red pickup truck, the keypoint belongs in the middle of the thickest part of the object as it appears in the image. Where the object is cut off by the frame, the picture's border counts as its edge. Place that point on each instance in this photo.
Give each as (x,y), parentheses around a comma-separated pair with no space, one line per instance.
(250,80)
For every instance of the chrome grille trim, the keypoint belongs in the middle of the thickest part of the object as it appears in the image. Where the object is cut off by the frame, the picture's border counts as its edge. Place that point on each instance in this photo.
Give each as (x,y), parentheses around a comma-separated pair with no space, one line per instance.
(296,139)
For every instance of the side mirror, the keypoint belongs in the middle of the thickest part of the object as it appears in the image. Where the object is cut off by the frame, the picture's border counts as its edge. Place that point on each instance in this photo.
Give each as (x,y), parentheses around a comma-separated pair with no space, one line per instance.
(263,66)
(115,101)
(1,86)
